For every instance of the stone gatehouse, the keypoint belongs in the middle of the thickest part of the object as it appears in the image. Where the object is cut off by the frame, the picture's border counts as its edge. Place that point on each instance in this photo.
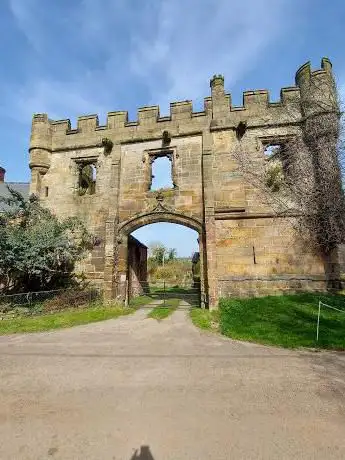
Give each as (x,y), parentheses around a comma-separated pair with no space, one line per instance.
(103,174)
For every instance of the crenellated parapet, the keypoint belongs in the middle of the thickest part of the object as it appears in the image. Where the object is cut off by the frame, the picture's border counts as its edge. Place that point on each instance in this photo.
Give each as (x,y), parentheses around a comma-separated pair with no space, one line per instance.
(320,108)
(182,120)
(317,88)
(87,123)
(305,75)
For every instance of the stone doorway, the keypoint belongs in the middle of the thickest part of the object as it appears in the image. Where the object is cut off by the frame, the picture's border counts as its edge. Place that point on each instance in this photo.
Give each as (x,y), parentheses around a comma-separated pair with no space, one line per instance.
(135,279)
(164,265)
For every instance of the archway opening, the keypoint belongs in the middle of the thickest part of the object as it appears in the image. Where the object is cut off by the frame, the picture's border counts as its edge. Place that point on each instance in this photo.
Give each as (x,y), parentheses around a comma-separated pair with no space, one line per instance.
(164,265)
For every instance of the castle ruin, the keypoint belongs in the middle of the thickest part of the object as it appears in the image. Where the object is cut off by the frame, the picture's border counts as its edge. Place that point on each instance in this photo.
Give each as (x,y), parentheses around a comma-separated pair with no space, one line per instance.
(103,174)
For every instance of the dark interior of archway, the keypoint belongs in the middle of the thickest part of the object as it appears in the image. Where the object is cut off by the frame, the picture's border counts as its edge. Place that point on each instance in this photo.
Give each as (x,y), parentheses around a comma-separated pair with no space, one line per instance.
(164,264)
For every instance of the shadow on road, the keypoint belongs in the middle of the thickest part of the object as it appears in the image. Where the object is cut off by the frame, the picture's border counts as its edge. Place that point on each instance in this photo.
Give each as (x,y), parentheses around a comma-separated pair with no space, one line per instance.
(143,454)
(191,295)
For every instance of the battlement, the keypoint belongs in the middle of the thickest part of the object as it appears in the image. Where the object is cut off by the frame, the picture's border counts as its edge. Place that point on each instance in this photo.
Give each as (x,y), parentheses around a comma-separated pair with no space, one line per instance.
(216,106)
(179,111)
(304,74)
(147,116)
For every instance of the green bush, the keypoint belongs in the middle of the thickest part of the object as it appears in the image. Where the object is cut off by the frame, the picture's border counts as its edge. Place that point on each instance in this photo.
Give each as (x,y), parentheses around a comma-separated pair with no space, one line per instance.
(38,250)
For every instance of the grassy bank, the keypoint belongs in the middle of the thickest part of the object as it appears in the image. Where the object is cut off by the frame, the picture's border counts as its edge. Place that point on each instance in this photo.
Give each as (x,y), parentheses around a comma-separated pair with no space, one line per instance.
(160,312)
(205,319)
(287,321)
(63,319)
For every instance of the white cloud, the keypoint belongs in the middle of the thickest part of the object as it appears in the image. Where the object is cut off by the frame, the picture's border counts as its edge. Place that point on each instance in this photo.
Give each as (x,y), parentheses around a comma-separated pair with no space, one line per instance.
(192,43)
(54,98)
(109,49)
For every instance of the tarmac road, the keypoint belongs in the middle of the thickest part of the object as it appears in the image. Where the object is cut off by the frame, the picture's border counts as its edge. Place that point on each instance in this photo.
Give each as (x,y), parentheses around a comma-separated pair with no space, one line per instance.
(136,388)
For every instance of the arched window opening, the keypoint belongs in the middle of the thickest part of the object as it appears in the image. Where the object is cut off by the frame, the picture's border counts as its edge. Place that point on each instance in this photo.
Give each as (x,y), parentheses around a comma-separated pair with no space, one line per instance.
(273,150)
(279,167)
(87,178)
(162,173)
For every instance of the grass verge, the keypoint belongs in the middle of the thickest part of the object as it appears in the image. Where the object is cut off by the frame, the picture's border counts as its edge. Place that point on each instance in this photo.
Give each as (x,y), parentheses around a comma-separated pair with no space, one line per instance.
(205,319)
(160,312)
(287,321)
(63,319)
(140,301)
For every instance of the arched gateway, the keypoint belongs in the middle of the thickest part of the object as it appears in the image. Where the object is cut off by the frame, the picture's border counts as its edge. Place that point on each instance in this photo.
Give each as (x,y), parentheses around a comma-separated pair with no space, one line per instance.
(104,175)
(158,214)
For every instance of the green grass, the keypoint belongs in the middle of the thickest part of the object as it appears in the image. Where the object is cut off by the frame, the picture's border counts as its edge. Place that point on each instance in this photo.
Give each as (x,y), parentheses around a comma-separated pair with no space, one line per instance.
(161,312)
(140,301)
(286,321)
(63,319)
(205,319)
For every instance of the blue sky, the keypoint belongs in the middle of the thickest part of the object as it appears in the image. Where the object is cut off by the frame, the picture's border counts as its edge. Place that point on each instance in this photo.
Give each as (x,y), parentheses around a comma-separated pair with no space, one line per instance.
(69,58)
(184,239)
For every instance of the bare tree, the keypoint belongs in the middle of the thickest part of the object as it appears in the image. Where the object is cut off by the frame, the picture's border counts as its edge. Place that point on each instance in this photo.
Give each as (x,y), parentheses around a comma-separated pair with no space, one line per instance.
(301,178)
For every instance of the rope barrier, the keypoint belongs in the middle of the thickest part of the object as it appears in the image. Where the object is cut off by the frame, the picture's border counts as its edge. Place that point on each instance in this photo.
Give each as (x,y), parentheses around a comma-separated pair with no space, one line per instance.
(319,313)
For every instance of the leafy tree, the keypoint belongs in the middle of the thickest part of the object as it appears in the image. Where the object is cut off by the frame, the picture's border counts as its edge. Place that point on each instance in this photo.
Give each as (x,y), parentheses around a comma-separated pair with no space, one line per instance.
(37,250)
(172,254)
(158,252)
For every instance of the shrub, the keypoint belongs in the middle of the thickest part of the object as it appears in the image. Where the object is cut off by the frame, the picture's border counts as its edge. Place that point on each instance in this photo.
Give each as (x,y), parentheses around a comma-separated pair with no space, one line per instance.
(68,299)
(38,250)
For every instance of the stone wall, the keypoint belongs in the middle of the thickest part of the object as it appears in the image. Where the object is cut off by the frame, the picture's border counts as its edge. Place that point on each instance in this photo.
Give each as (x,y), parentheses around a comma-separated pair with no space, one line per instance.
(260,255)
(137,267)
(243,249)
